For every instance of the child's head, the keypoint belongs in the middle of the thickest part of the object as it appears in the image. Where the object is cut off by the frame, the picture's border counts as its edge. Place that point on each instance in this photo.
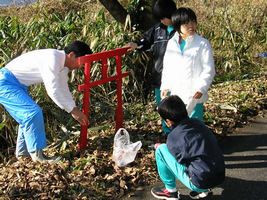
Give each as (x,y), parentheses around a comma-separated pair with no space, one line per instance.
(164,9)
(183,16)
(172,108)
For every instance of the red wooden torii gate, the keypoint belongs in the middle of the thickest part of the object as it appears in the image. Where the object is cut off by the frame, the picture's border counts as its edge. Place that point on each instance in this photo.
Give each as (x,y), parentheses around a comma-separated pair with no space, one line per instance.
(87,60)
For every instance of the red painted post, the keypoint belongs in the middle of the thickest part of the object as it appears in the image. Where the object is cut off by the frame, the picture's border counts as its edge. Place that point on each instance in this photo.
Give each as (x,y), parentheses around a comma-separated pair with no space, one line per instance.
(83,133)
(87,60)
(119,111)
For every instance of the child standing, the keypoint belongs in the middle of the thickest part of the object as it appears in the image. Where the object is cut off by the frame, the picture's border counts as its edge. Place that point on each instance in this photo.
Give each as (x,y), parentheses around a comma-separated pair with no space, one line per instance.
(155,39)
(190,154)
(188,65)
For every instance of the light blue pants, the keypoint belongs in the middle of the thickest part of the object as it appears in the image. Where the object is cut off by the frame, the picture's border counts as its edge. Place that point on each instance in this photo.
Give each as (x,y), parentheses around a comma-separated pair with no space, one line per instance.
(197,112)
(17,101)
(169,168)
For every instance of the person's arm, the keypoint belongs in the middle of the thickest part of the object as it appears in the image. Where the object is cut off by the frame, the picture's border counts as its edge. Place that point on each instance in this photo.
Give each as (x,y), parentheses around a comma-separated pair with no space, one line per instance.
(69,104)
(142,44)
(55,78)
(131,46)
(167,71)
(207,75)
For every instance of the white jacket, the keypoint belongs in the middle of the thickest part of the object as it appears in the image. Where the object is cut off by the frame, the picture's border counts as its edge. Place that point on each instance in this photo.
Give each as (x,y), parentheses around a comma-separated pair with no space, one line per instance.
(185,73)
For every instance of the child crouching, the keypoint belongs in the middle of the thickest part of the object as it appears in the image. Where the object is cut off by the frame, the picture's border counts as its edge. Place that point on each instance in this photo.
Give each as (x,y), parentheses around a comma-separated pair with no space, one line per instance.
(190,154)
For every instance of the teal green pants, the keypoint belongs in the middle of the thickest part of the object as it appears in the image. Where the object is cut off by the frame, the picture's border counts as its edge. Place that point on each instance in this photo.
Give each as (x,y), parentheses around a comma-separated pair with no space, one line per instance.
(169,168)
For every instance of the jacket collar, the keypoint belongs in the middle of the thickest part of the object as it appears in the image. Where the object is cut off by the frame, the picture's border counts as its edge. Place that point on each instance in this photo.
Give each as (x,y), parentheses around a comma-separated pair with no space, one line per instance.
(188,40)
(165,27)
(183,121)
(162,26)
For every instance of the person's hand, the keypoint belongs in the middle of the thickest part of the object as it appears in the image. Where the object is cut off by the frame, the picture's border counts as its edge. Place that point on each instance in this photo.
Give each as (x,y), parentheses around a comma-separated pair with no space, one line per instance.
(131,46)
(164,93)
(79,116)
(197,95)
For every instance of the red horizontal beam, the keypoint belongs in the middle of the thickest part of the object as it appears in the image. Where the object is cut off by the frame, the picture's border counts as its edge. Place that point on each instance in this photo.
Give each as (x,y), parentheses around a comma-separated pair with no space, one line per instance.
(106,80)
(102,55)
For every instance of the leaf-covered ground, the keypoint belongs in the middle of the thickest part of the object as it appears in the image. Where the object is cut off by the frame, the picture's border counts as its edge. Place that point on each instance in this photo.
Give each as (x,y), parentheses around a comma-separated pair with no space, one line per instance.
(92,174)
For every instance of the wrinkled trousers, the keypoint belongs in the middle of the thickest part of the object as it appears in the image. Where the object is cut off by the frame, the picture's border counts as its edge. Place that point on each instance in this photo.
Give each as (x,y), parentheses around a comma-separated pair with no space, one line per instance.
(17,101)
(169,169)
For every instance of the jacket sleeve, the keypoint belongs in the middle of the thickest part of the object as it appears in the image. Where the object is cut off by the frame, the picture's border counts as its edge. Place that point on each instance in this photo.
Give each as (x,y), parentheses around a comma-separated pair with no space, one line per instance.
(208,69)
(147,41)
(55,79)
(167,72)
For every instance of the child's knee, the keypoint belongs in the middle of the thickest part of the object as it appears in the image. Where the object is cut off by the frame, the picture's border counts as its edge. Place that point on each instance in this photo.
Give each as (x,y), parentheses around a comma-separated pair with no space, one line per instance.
(161,148)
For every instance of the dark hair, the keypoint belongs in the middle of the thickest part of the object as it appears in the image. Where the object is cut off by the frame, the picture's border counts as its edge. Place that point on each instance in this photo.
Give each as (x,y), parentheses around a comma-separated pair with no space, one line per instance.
(78,48)
(172,108)
(182,16)
(164,9)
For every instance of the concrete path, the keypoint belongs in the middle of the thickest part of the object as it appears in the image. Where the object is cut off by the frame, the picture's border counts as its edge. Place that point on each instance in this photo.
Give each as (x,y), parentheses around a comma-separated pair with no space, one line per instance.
(245,154)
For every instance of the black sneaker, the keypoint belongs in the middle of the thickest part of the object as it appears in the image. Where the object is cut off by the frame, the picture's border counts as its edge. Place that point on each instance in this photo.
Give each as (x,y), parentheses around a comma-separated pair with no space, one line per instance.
(200,195)
(163,193)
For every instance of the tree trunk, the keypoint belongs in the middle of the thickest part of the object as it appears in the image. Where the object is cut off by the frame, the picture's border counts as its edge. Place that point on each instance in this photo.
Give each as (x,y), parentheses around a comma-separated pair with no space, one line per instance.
(119,13)
(147,15)
(115,9)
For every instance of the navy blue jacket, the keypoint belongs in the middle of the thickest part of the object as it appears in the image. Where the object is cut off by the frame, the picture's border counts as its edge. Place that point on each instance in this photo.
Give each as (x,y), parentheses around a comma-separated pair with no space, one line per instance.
(155,39)
(193,144)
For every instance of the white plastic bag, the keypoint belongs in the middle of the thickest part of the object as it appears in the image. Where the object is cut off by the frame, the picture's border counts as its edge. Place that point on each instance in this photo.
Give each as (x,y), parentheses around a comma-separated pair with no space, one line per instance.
(124,150)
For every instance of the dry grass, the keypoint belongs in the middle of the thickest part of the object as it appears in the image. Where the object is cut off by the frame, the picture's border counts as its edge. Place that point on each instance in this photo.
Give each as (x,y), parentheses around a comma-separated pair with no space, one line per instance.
(47,7)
